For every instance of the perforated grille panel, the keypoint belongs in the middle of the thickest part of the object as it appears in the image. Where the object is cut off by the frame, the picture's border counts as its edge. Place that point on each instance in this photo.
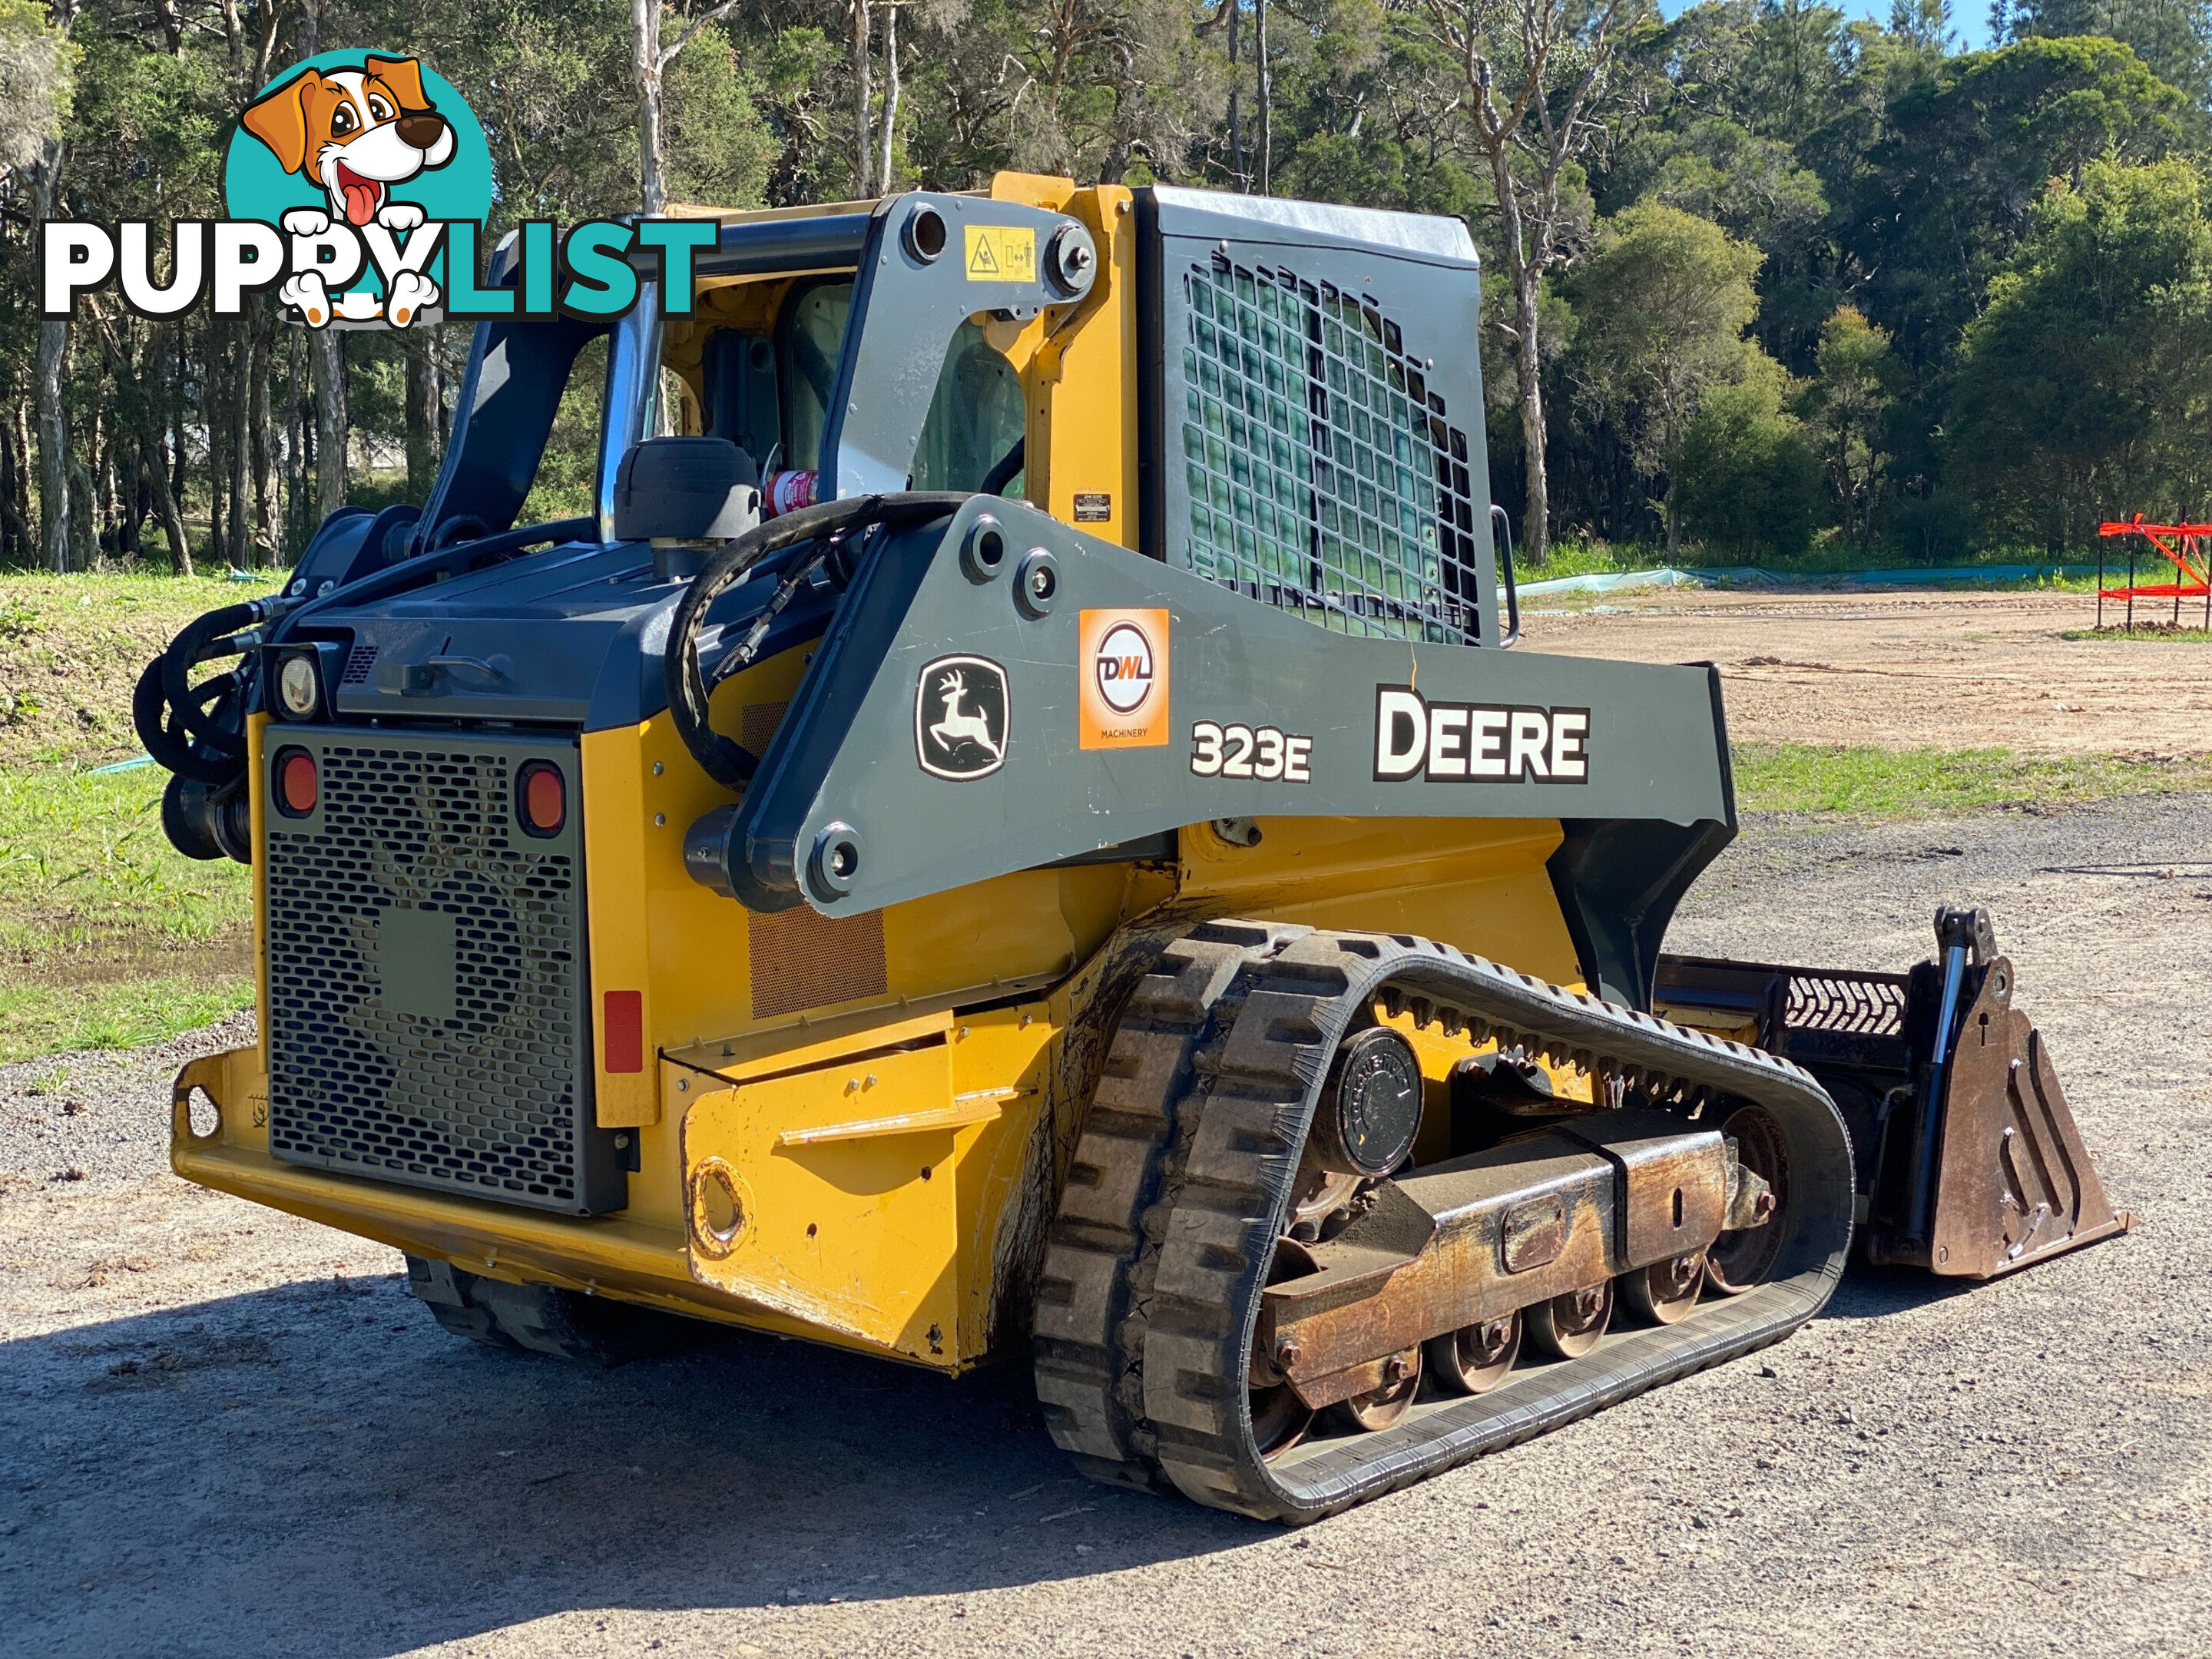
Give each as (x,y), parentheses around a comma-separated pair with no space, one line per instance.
(426,968)
(1322,472)
(802,959)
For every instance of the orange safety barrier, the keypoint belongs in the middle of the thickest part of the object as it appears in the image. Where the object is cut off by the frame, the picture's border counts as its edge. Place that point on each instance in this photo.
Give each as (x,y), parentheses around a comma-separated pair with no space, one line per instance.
(2186,547)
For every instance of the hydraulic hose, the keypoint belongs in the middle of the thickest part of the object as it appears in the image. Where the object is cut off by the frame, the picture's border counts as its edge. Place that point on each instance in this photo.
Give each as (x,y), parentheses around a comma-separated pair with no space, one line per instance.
(725,760)
(165,739)
(185,653)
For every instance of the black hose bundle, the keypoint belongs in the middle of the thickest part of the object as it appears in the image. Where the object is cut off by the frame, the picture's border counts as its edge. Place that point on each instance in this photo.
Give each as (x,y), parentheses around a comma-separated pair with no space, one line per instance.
(838,523)
(198,731)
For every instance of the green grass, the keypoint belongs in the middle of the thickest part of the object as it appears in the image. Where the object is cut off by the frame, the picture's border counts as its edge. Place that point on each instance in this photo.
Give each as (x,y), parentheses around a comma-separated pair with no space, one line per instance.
(70,651)
(1575,556)
(108,936)
(2165,634)
(1882,783)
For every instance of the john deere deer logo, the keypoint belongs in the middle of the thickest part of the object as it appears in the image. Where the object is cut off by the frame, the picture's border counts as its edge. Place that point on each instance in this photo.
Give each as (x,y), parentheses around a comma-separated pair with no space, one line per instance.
(960,707)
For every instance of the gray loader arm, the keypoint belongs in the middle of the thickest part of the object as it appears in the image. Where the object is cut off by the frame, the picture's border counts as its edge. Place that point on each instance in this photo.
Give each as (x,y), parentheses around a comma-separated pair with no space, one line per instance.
(1007,691)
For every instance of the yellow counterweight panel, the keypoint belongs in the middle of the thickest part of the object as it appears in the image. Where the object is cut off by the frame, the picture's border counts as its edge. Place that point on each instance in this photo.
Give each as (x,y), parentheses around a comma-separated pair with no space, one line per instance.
(864,1196)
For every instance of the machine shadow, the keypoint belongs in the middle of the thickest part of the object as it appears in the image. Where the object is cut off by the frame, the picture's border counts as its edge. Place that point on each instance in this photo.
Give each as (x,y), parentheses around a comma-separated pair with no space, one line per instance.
(319,1465)
(1873,1292)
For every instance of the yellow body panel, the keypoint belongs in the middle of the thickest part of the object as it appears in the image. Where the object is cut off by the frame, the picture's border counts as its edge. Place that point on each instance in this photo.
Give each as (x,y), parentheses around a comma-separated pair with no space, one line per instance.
(879,1171)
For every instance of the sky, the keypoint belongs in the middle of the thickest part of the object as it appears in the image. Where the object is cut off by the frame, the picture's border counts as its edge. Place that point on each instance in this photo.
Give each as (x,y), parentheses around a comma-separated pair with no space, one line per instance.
(1970,18)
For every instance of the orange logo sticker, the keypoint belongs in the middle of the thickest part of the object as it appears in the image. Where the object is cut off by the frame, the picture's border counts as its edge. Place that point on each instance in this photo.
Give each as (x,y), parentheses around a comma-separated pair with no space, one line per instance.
(1124,663)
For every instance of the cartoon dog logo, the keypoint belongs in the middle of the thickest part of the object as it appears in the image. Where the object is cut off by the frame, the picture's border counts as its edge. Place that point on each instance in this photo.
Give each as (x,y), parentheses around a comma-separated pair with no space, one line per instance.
(355,132)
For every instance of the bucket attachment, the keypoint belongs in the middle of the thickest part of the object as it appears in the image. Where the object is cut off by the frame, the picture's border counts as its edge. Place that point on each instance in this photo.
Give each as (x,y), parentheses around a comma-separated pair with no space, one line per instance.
(1968,1161)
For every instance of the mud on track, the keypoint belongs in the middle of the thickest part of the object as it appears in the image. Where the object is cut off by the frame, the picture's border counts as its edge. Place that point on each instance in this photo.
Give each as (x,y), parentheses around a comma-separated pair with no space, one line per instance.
(230,1433)
(1901,670)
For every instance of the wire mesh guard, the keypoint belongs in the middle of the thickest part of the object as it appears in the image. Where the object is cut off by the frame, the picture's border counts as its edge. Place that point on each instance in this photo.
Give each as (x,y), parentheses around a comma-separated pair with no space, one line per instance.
(1323,475)
(424,1006)
(1841,1000)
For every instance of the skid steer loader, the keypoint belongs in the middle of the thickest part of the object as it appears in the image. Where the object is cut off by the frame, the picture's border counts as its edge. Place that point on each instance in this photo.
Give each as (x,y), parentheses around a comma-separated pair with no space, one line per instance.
(1009,823)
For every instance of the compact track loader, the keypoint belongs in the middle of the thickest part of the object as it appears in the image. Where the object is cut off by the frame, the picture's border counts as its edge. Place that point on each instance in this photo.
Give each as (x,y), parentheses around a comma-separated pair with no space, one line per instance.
(1009,824)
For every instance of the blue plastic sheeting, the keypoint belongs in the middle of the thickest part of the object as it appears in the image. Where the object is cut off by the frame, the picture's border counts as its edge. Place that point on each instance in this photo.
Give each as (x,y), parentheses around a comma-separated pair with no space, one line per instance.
(1741,576)
(124,766)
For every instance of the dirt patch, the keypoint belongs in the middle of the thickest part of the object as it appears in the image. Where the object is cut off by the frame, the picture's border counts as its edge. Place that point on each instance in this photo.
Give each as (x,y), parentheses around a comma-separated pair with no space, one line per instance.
(1905,671)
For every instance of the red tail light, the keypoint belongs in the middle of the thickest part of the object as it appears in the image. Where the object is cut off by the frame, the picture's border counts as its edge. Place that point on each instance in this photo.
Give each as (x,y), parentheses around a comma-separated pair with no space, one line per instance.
(544,799)
(297,784)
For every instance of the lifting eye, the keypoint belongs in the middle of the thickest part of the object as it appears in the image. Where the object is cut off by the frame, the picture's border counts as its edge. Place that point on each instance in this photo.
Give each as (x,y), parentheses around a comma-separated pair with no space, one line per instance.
(298,786)
(542,799)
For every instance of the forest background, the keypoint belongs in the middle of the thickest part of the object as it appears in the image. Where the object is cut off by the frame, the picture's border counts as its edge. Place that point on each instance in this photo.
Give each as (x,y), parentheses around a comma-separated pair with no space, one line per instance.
(1760,280)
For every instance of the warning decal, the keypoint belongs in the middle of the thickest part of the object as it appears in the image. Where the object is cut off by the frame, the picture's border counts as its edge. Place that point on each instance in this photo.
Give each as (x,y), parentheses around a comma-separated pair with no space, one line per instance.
(1002,253)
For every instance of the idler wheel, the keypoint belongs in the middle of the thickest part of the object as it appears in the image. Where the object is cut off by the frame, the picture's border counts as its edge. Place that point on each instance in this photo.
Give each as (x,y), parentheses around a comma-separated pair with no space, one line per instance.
(1381,1408)
(1664,1292)
(1740,1260)
(1475,1358)
(1568,1327)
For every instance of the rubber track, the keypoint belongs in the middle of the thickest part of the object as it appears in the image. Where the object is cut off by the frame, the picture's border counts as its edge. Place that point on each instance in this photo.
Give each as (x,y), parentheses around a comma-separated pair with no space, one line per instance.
(1103,1250)
(1179,1181)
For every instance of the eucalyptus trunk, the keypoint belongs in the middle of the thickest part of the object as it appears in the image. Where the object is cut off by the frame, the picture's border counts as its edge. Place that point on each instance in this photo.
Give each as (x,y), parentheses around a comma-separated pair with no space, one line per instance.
(165,500)
(864,97)
(423,411)
(330,423)
(238,411)
(652,162)
(268,512)
(47,374)
(891,95)
(1264,93)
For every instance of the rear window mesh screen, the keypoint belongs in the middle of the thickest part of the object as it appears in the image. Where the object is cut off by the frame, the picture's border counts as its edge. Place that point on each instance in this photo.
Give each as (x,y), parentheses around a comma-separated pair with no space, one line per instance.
(1323,475)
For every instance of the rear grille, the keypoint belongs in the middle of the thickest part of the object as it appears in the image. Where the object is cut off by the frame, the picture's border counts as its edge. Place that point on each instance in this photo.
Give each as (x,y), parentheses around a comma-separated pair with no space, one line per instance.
(427,975)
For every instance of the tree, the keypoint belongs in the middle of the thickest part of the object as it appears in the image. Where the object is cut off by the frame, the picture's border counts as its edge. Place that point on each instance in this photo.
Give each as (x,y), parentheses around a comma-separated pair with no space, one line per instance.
(1940,198)
(1664,302)
(34,84)
(2082,390)
(2172,37)
(1847,409)
(650,60)
(35,65)
(1748,478)
(1534,75)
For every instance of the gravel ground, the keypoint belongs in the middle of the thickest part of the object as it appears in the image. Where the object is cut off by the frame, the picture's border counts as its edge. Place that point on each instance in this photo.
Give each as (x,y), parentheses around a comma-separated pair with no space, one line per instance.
(231,1433)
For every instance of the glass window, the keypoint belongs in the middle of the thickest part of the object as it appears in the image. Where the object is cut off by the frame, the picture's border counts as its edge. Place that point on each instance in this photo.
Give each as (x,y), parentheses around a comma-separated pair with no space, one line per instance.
(976,417)
(812,335)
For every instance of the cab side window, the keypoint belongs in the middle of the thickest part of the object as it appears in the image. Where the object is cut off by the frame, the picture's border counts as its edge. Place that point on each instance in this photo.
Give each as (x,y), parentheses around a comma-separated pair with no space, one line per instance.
(975,418)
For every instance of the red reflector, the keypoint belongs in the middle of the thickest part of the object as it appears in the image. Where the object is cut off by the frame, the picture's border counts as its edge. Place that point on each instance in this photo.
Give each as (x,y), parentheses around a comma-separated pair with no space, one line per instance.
(545,799)
(296,779)
(624,1049)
